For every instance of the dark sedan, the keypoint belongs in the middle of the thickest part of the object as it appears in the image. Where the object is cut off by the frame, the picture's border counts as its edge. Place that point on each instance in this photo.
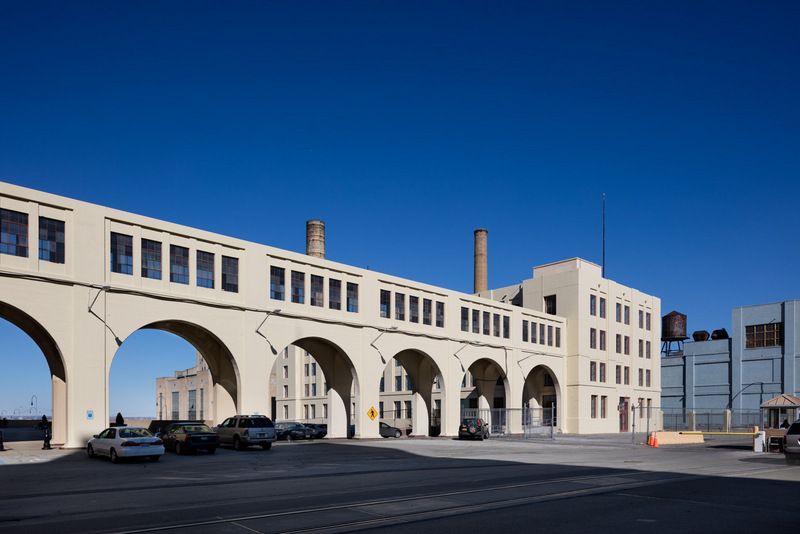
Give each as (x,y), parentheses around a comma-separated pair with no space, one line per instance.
(290,431)
(387,431)
(320,430)
(186,437)
(473,428)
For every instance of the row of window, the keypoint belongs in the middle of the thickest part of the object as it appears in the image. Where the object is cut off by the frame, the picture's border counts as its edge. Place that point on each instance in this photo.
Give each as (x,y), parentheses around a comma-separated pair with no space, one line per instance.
(491,323)
(622,345)
(277,289)
(604,406)
(546,332)
(623,374)
(385,305)
(623,314)
(14,236)
(121,256)
(192,412)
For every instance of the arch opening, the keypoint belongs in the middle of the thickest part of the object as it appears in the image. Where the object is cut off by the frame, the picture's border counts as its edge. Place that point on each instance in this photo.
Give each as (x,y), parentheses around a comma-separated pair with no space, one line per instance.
(411,394)
(58,376)
(541,396)
(313,381)
(487,399)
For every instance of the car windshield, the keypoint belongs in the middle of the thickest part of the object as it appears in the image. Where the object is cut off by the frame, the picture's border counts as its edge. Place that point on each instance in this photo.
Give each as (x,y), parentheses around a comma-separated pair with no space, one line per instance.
(134,433)
(470,421)
(195,428)
(257,422)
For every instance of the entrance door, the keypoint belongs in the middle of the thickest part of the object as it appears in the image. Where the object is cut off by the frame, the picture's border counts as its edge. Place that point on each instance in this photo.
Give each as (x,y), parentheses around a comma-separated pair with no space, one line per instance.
(624,405)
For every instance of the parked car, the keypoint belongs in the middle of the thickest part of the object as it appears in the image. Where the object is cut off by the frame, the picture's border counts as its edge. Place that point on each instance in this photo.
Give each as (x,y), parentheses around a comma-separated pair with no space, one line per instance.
(387,431)
(320,430)
(791,444)
(188,436)
(125,442)
(473,428)
(242,431)
(291,430)
(159,426)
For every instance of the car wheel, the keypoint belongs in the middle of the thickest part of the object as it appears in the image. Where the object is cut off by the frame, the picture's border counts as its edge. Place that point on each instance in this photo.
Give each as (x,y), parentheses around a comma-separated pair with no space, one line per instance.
(266,446)
(212,450)
(179,449)
(90,451)
(397,433)
(155,458)
(237,443)
(113,456)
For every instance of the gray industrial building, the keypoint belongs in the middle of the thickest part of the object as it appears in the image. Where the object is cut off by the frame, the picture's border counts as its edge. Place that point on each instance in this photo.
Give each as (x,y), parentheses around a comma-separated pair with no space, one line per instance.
(760,360)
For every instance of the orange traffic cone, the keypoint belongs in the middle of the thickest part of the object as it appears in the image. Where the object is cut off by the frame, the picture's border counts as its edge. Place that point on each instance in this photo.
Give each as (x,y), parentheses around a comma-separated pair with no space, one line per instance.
(655,440)
(650,439)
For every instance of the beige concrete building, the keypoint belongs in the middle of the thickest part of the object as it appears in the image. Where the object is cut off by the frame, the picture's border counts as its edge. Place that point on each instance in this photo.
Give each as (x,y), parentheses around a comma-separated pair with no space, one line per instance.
(81,278)
(184,395)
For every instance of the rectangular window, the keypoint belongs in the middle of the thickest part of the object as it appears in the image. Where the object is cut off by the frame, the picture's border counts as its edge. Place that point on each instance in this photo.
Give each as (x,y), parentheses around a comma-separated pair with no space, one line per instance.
(400,306)
(335,294)
(151,259)
(592,371)
(647,320)
(627,345)
(533,332)
(603,406)
(592,304)
(352,297)
(619,312)
(426,311)
(619,374)
(647,378)
(476,322)
(385,304)
(641,377)
(313,389)
(298,287)
(592,338)
(594,407)
(486,323)
(524,330)
(305,411)
(317,291)
(549,335)
(51,240)
(380,409)
(178,264)
(506,327)
(602,372)
(464,319)
(306,390)
(325,411)
(205,269)
(286,412)
(641,318)
(558,336)
(647,350)
(176,405)
(627,315)
(398,383)
(306,370)
(763,335)
(409,386)
(314,410)
(413,309)
(541,333)
(618,345)
(602,308)
(200,406)
(285,371)
(192,404)
(496,324)
(383,384)
(398,411)
(14,235)
(440,314)
(408,409)
(641,348)
(277,283)
(627,375)
(550,304)
(121,253)
(602,340)
(230,274)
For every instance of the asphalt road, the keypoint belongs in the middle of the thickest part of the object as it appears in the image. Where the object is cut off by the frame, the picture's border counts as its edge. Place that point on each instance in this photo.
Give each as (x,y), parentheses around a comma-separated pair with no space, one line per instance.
(573,485)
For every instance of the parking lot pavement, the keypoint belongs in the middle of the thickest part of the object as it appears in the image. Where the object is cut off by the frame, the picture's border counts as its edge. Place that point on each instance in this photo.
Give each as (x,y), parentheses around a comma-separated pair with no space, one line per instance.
(435,484)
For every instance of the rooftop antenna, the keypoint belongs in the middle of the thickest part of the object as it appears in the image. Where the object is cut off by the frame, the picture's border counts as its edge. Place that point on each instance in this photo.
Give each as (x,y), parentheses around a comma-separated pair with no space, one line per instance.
(604,235)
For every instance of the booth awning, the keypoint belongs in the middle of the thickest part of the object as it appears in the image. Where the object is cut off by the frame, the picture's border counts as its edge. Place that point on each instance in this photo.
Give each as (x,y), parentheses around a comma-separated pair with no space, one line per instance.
(782,401)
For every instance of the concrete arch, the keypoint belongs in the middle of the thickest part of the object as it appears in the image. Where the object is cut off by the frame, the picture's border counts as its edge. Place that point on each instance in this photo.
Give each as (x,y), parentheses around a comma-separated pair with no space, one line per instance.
(423,370)
(221,361)
(538,396)
(487,373)
(55,362)
(342,377)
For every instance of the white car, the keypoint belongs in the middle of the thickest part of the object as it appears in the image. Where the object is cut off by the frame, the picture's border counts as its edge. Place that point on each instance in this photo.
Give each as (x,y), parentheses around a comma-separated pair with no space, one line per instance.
(125,442)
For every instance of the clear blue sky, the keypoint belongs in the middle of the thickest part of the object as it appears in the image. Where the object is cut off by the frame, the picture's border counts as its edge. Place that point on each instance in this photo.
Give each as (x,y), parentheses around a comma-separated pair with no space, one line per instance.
(405,125)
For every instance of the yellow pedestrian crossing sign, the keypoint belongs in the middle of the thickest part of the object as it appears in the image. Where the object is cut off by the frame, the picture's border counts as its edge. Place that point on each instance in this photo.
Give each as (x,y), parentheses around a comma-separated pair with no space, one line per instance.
(372,413)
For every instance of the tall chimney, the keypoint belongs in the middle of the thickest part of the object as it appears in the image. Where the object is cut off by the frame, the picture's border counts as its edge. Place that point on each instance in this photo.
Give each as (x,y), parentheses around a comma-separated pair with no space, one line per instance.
(481,259)
(315,238)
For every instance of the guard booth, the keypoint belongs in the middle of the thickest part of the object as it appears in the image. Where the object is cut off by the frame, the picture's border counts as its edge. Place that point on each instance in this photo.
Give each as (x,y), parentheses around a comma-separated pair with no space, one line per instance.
(776,414)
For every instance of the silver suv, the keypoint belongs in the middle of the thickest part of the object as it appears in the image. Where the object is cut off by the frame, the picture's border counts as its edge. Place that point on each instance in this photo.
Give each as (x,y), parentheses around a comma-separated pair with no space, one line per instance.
(242,431)
(791,444)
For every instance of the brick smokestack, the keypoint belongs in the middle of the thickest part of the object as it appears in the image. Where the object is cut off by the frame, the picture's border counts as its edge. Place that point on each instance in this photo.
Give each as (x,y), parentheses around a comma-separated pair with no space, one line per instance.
(315,238)
(481,260)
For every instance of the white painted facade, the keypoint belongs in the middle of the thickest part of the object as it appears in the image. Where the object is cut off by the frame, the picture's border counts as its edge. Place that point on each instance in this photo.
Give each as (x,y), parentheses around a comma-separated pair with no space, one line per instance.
(80,312)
